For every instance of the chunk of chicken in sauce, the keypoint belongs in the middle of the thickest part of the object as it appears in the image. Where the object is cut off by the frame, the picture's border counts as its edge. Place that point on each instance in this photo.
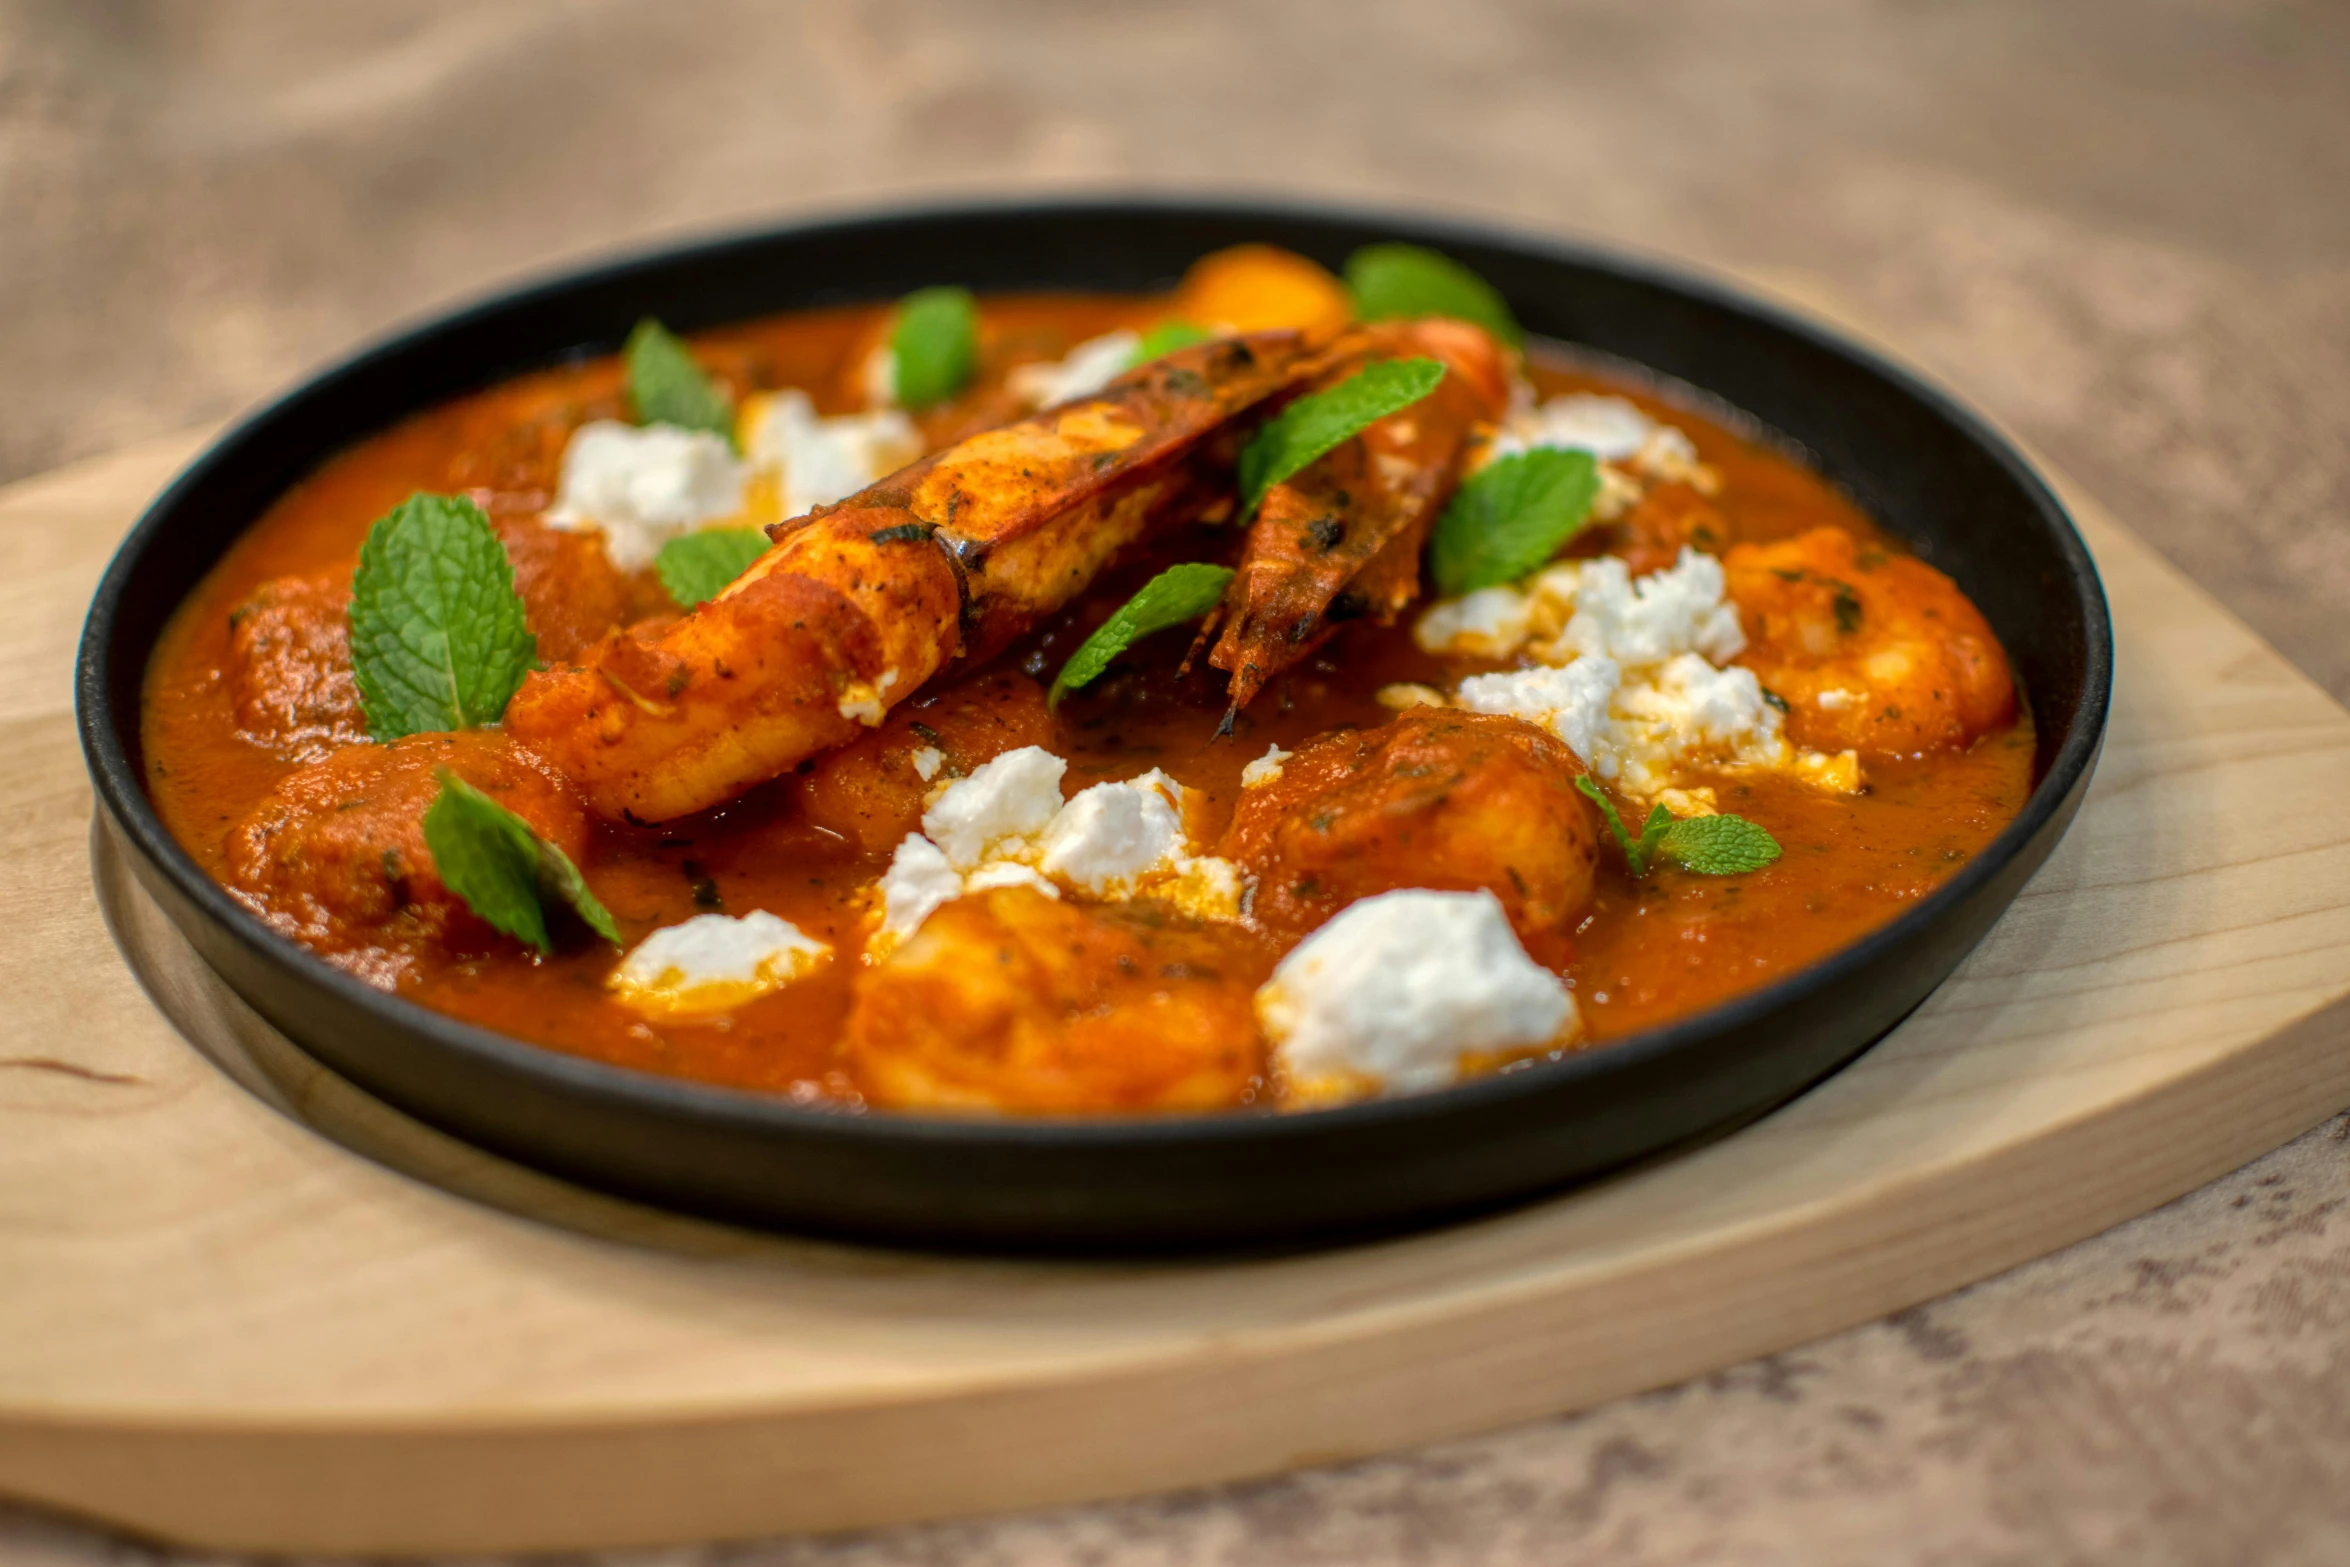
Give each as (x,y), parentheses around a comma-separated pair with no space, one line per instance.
(1434,798)
(335,856)
(1010,1000)
(1871,651)
(871,792)
(857,605)
(289,664)
(1341,539)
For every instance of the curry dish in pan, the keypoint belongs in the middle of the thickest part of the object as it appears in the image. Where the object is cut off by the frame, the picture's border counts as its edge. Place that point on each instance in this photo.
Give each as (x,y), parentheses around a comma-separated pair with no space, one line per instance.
(1291,689)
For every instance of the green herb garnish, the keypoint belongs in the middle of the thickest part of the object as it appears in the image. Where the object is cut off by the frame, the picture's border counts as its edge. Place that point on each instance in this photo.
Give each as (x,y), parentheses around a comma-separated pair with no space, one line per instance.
(696,567)
(1176,595)
(505,872)
(1319,421)
(1510,517)
(1708,845)
(438,636)
(1165,338)
(665,386)
(1397,280)
(935,344)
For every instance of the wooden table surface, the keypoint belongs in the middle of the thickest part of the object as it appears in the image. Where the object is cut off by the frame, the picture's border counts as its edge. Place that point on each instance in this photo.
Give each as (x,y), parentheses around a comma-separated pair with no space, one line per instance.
(2118,224)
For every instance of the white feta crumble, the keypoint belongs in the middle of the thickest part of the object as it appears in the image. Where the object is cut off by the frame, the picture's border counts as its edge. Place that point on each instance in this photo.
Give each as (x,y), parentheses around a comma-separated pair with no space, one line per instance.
(1265,769)
(1609,428)
(1489,623)
(1008,873)
(642,486)
(1090,366)
(867,701)
(818,461)
(1627,675)
(927,761)
(1005,825)
(1402,991)
(1570,701)
(1646,620)
(1111,834)
(1014,796)
(918,883)
(1630,446)
(715,963)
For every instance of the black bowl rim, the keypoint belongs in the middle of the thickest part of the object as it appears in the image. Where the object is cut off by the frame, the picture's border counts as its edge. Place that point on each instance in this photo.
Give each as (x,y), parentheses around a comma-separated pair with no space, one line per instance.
(123,795)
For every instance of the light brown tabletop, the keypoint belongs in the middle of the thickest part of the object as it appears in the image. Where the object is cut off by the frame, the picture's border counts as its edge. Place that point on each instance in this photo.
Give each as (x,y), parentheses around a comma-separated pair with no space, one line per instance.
(2120,226)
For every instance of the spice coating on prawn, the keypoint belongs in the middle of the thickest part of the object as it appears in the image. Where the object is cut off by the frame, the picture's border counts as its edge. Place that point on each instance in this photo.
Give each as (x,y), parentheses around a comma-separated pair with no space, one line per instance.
(856,605)
(1341,540)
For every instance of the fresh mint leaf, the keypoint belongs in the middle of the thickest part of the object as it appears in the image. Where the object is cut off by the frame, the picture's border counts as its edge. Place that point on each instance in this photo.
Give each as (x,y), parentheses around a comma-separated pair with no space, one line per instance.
(1396,280)
(1165,338)
(438,636)
(696,567)
(665,386)
(1178,594)
(1707,845)
(936,345)
(505,872)
(1511,516)
(1319,421)
(1719,845)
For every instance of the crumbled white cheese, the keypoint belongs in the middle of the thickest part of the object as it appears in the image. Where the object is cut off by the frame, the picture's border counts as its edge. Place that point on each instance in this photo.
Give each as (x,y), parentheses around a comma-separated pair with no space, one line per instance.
(1630,446)
(818,461)
(1008,873)
(1090,366)
(1571,702)
(1652,618)
(1401,991)
(1264,769)
(918,883)
(1686,710)
(866,701)
(1112,834)
(1609,428)
(1013,796)
(1835,699)
(1005,825)
(927,761)
(642,486)
(715,963)
(1626,672)
(1489,623)
(1593,606)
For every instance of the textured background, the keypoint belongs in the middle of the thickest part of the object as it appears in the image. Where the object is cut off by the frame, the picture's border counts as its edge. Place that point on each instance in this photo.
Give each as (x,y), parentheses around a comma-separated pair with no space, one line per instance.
(2123,225)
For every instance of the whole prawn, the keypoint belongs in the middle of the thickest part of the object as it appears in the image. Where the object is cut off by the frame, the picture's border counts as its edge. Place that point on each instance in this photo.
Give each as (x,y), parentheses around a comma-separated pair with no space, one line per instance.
(856,605)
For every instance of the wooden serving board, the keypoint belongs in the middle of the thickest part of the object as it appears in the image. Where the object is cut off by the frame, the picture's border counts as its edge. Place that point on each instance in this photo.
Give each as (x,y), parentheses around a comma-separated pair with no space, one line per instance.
(244,1305)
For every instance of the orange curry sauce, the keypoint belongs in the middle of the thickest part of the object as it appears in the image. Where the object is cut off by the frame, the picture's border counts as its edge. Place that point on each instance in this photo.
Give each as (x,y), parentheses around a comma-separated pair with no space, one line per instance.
(1647,953)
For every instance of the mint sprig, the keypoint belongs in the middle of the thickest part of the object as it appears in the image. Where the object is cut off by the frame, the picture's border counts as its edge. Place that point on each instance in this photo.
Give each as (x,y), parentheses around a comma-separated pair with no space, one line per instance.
(438,636)
(1176,595)
(1510,517)
(1319,421)
(1165,338)
(505,872)
(1708,845)
(936,345)
(665,386)
(1394,281)
(696,567)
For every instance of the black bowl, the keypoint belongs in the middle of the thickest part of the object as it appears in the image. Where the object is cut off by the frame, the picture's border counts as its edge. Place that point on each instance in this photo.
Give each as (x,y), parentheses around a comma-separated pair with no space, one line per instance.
(1917,461)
